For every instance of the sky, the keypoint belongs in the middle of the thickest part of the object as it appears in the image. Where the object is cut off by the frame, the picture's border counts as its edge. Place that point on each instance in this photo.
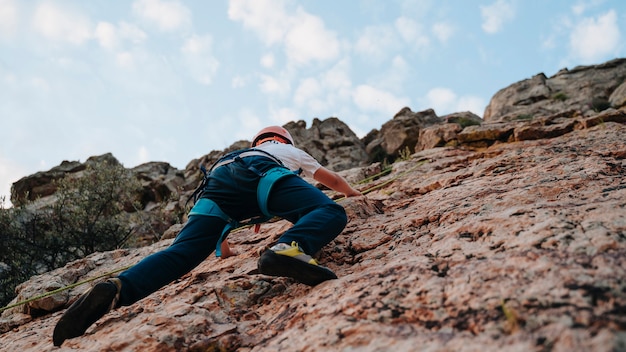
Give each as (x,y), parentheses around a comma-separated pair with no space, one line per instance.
(172,80)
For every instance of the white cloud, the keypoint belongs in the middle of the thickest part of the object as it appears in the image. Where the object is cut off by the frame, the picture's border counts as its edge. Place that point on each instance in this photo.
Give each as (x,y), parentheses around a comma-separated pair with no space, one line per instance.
(250,120)
(8,18)
(471,103)
(283,115)
(595,38)
(581,6)
(274,85)
(445,101)
(394,76)
(495,15)
(375,42)
(337,86)
(111,37)
(199,59)
(304,36)
(125,60)
(578,8)
(337,79)
(267,18)
(418,8)
(10,172)
(106,35)
(412,32)
(238,82)
(309,89)
(441,99)
(166,15)
(268,60)
(443,31)
(310,96)
(40,84)
(308,40)
(143,155)
(325,93)
(60,24)
(368,98)
(131,32)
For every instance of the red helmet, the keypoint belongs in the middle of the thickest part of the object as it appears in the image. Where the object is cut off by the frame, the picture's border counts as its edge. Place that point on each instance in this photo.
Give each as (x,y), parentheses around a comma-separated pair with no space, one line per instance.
(275,133)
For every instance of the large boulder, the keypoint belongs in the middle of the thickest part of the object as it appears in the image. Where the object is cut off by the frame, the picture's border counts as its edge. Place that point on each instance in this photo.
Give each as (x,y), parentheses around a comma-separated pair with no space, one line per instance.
(43,184)
(445,134)
(160,182)
(588,89)
(331,142)
(399,135)
(618,97)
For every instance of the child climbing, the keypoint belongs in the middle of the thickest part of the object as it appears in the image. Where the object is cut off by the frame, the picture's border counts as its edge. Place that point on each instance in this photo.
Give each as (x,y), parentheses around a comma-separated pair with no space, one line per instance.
(256,183)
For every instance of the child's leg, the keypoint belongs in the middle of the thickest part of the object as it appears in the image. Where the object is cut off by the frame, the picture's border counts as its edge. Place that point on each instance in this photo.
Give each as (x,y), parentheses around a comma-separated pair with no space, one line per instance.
(192,245)
(317,219)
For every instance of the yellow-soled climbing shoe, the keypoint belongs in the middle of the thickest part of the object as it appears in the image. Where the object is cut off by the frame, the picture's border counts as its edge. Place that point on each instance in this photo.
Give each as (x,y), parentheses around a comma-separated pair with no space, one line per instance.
(290,261)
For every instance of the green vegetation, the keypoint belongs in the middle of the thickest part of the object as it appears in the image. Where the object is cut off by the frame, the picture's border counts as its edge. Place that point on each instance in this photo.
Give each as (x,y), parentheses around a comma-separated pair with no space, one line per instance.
(90,214)
(465,122)
(512,320)
(524,117)
(560,96)
(405,154)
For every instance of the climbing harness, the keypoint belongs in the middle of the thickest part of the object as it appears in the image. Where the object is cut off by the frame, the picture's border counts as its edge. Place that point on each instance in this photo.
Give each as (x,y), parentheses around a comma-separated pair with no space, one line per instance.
(207,207)
(225,160)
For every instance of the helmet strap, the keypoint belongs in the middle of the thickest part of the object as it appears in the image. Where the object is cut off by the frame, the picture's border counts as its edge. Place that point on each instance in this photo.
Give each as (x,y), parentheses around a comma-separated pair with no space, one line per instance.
(272,138)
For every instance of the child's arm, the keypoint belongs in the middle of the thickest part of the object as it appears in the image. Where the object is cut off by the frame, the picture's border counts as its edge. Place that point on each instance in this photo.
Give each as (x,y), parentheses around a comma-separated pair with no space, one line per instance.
(335,182)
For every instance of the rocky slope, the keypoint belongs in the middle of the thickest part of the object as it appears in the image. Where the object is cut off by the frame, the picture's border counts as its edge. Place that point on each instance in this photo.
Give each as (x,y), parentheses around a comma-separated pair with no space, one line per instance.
(509,235)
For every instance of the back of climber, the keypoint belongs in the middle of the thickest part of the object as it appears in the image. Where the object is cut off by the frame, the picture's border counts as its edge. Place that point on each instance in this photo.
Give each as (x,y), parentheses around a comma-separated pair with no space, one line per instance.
(254,183)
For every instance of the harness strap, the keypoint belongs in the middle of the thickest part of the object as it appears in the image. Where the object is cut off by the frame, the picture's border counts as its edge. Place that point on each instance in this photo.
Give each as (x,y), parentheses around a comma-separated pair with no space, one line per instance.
(231,157)
(266,183)
(207,207)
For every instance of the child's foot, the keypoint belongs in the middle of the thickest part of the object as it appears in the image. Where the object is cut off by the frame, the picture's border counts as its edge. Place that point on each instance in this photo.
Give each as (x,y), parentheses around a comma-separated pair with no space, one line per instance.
(291,261)
(91,306)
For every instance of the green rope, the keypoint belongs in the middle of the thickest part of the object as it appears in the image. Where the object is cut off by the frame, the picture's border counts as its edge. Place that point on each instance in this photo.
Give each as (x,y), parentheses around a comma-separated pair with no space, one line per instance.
(58,290)
(69,287)
(384,172)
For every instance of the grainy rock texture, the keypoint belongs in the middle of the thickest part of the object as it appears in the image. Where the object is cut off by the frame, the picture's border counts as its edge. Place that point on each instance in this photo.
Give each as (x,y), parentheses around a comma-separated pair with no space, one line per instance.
(518,246)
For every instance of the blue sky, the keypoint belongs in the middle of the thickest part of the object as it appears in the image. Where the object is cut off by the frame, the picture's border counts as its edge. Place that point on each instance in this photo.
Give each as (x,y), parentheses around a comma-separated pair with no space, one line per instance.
(171,80)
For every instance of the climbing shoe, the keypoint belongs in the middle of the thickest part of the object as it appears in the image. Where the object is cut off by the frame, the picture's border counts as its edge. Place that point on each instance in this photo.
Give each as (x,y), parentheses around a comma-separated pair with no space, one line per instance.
(291,261)
(90,307)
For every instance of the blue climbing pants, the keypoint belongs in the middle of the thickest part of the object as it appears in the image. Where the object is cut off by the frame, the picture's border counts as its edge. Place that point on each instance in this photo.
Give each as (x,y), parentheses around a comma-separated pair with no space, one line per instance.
(316,219)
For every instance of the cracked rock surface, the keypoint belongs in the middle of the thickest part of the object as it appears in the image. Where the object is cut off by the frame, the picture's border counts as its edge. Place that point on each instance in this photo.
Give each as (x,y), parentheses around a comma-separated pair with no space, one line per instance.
(519,246)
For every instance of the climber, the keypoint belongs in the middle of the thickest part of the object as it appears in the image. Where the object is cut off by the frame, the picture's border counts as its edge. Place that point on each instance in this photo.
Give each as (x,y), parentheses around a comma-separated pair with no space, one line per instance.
(255,183)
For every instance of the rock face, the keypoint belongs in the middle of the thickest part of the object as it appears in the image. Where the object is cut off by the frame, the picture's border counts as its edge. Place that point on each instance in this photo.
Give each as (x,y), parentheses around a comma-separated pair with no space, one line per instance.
(331,142)
(518,246)
(587,89)
(42,184)
(399,135)
(503,234)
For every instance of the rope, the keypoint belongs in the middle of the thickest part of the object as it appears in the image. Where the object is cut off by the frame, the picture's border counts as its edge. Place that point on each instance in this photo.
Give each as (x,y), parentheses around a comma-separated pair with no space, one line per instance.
(68,287)
(384,172)
(76,284)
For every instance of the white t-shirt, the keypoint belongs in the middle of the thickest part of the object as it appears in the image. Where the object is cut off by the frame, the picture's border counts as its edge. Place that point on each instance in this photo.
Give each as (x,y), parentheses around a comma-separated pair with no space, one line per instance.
(292,157)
